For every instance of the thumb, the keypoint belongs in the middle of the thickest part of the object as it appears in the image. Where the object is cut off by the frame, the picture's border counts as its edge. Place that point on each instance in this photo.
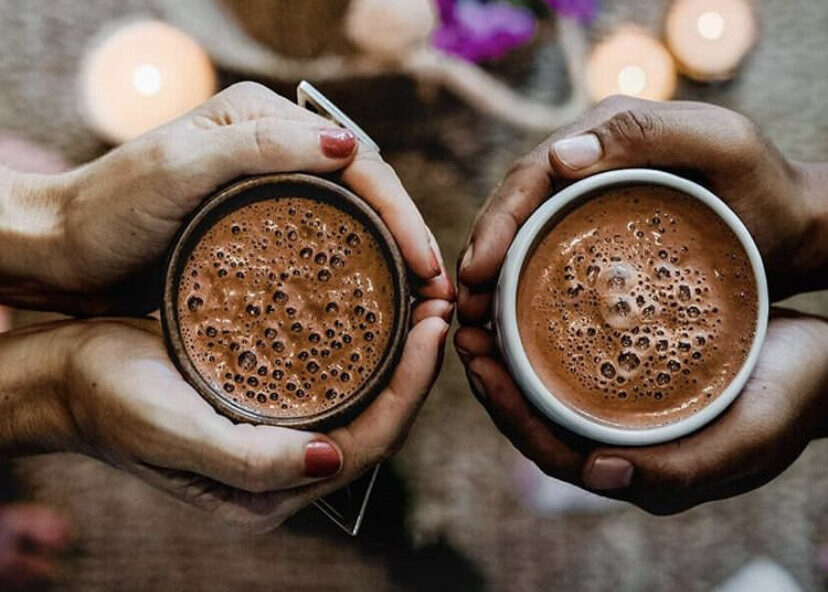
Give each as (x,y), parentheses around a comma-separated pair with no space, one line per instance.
(663,135)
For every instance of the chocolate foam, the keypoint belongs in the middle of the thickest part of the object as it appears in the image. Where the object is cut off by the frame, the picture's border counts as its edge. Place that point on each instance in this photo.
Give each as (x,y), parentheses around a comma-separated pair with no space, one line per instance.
(286,306)
(639,307)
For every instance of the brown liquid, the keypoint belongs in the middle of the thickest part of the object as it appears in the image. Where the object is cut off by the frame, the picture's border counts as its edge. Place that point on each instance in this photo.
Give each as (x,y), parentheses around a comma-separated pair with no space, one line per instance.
(638,308)
(286,306)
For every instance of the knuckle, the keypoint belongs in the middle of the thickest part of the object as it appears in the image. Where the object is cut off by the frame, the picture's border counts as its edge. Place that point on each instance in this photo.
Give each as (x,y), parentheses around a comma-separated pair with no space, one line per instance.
(744,127)
(395,446)
(523,163)
(159,152)
(247,88)
(633,126)
(381,454)
(262,137)
(672,478)
(745,136)
(616,103)
(254,469)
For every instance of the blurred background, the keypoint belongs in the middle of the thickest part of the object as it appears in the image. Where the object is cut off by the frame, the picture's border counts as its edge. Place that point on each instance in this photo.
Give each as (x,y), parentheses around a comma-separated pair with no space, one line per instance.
(452,93)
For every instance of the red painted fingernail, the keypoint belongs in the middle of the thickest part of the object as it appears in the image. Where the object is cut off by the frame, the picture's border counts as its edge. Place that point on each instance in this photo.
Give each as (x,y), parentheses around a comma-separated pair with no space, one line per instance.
(337,143)
(321,459)
(608,472)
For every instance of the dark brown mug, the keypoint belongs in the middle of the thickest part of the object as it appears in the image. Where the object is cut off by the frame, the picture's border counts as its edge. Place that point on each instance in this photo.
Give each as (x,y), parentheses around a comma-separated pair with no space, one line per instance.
(267,187)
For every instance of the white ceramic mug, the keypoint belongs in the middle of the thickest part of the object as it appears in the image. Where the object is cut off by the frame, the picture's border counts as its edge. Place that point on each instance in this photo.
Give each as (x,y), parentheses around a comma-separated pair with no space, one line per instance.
(505,323)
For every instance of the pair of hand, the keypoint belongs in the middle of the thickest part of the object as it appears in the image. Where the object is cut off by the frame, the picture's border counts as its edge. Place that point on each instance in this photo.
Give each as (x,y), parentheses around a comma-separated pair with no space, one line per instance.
(784,205)
(92,244)
(107,388)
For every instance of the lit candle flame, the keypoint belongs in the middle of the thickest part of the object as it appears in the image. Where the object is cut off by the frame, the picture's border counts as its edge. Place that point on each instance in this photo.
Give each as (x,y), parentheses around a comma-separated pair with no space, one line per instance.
(710,38)
(632,80)
(631,62)
(140,74)
(711,25)
(147,79)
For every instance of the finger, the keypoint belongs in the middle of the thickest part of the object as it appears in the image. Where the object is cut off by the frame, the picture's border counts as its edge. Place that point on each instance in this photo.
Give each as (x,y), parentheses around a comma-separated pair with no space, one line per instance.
(250,512)
(744,447)
(381,428)
(442,309)
(471,342)
(377,183)
(440,286)
(369,176)
(521,191)
(270,145)
(654,134)
(375,434)
(253,458)
(174,428)
(529,183)
(249,100)
(555,452)
(473,308)
(677,475)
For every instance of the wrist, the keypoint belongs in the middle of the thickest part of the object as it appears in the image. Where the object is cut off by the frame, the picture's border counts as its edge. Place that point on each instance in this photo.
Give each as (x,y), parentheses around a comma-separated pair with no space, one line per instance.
(32,236)
(33,394)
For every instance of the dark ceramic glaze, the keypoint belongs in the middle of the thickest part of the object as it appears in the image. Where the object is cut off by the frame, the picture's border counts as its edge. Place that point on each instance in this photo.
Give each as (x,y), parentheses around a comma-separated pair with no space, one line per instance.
(259,188)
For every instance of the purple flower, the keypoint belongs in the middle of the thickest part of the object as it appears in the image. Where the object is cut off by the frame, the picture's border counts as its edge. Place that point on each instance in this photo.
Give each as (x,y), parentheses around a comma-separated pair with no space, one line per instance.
(583,10)
(482,31)
(445,8)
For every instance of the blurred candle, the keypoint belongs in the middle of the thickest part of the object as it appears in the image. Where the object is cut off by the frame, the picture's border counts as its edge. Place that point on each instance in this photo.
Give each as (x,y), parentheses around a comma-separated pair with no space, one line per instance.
(631,62)
(141,75)
(710,38)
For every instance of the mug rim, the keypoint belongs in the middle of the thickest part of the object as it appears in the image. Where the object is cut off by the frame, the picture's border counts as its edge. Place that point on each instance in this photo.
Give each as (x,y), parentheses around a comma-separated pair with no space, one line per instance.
(240,194)
(507,333)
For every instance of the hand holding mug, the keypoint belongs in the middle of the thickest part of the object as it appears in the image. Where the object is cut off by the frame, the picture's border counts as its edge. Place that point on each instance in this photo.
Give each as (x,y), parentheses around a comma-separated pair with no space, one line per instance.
(94,237)
(781,205)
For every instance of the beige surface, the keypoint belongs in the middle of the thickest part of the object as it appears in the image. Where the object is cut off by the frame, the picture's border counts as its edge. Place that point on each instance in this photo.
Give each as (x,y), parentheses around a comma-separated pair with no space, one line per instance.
(450,520)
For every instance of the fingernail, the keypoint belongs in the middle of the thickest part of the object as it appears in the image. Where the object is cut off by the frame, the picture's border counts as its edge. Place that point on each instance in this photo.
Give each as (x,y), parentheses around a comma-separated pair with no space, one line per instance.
(337,143)
(478,389)
(321,459)
(608,472)
(578,152)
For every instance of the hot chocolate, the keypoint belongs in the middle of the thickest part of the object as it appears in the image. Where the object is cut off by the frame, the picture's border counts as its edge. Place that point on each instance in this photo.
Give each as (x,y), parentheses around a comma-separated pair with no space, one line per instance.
(286,306)
(638,307)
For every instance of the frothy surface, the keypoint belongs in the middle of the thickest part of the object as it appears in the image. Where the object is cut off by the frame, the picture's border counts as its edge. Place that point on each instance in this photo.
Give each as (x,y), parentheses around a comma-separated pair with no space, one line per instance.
(638,308)
(287,306)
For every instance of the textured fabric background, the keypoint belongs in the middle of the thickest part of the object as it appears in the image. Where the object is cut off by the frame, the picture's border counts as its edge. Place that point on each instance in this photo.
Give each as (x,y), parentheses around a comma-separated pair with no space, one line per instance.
(446,515)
